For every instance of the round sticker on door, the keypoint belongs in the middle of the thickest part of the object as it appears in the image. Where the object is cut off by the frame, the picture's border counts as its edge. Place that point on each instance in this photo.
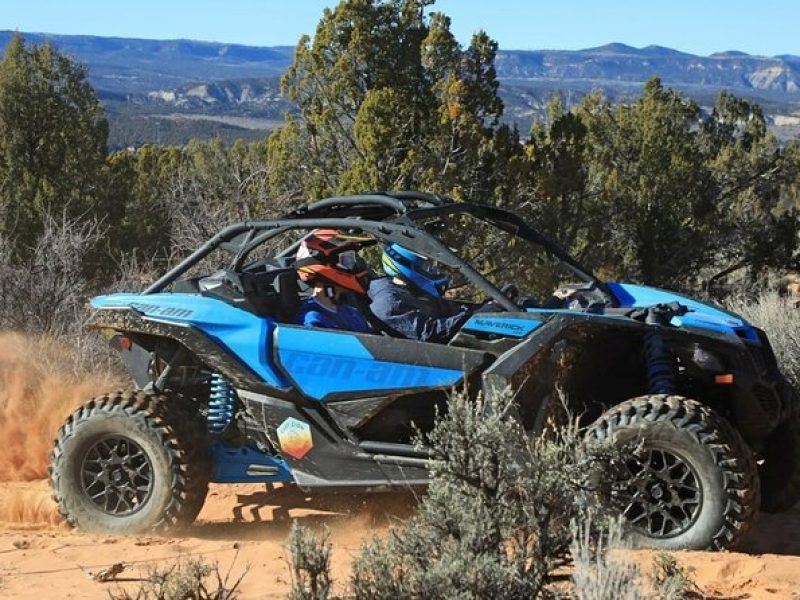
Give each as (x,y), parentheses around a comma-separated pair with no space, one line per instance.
(294,437)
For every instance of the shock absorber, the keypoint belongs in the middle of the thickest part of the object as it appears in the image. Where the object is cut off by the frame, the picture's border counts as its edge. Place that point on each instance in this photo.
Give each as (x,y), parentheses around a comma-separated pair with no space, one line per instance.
(660,372)
(221,404)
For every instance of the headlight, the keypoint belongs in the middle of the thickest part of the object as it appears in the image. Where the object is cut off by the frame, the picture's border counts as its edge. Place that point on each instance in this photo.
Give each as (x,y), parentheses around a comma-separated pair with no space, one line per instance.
(706,360)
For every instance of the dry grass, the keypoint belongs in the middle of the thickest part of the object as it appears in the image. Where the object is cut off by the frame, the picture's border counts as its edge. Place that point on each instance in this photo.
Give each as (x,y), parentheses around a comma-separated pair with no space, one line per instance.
(188,579)
(39,387)
(779,317)
(598,573)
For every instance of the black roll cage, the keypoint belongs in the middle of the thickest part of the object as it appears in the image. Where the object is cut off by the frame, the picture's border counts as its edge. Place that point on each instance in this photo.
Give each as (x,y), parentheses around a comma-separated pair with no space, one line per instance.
(389,216)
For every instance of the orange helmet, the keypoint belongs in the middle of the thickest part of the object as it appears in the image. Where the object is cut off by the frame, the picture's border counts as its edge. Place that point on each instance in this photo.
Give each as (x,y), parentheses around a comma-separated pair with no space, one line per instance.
(332,256)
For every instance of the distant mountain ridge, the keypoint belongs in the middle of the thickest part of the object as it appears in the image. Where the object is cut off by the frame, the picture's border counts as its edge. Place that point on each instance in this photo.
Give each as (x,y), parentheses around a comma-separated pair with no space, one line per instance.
(139,66)
(618,62)
(131,65)
(144,81)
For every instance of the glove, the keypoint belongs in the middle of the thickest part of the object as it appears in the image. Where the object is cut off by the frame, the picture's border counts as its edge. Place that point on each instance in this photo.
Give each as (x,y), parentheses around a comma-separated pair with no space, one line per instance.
(528,301)
(510,291)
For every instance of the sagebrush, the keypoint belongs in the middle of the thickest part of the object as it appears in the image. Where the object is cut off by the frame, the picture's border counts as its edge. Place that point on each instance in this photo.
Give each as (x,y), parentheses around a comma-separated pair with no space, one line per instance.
(310,553)
(190,579)
(496,520)
(505,514)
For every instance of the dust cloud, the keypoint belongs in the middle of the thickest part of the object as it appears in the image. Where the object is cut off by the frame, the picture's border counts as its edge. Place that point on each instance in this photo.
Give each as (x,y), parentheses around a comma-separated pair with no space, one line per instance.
(38,390)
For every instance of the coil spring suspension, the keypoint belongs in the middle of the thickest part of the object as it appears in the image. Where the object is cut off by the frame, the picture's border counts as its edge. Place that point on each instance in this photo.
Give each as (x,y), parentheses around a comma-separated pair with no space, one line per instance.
(660,373)
(221,404)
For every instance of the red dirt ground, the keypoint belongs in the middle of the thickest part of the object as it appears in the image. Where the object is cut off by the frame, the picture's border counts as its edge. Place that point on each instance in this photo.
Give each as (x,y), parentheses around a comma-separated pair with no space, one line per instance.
(245,526)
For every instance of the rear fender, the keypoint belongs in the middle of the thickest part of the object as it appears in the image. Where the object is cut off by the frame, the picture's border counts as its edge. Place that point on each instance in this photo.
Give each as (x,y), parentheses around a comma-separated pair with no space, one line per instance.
(231,341)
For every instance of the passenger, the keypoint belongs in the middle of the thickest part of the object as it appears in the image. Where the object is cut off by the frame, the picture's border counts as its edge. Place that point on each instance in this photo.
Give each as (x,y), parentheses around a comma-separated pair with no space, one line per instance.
(327,260)
(409,301)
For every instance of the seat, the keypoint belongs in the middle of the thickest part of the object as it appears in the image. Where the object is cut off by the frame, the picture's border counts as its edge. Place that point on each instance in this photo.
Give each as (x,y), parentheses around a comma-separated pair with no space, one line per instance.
(271,293)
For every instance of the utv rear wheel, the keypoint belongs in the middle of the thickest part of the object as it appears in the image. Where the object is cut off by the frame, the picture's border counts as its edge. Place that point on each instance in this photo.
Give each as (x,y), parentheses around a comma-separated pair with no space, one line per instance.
(689,481)
(131,462)
(780,471)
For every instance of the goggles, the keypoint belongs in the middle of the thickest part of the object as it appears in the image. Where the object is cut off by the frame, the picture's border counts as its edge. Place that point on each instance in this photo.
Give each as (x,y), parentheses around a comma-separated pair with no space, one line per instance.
(429,268)
(347,260)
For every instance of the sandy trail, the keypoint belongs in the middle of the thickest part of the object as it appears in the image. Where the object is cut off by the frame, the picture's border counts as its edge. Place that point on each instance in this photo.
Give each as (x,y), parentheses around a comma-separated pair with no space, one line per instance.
(244,525)
(240,525)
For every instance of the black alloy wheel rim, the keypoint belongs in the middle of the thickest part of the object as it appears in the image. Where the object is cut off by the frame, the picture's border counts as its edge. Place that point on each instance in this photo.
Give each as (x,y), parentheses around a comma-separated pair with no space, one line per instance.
(659,493)
(117,475)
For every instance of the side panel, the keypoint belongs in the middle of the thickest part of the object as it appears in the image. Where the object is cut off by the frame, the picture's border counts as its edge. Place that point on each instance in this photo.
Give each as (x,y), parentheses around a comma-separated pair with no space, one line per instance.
(318,456)
(326,364)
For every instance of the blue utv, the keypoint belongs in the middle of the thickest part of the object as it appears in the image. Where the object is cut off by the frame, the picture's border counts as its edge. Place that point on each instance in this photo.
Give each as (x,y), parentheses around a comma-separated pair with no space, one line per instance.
(229,390)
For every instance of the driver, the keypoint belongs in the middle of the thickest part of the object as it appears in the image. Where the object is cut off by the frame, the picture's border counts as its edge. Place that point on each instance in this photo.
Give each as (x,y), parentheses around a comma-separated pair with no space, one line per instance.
(328,261)
(409,300)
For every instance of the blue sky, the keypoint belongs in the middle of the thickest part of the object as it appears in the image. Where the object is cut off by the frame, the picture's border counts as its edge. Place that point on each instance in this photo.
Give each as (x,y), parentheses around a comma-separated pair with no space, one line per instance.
(767,27)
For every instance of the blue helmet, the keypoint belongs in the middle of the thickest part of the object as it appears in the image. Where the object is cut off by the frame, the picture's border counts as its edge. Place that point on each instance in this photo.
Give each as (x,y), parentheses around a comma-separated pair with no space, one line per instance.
(413,268)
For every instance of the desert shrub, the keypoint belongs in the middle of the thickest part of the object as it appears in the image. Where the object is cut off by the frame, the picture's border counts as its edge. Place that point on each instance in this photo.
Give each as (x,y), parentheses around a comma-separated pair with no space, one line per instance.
(310,563)
(603,571)
(670,581)
(505,516)
(597,575)
(496,521)
(45,290)
(133,273)
(781,320)
(192,579)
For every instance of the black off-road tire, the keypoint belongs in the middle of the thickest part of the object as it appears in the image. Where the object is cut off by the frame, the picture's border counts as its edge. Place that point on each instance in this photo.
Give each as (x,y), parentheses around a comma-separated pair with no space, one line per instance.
(161,436)
(687,447)
(780,471)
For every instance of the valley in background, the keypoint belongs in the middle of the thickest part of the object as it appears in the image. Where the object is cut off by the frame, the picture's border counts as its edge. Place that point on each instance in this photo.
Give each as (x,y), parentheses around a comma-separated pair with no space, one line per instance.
(170,91)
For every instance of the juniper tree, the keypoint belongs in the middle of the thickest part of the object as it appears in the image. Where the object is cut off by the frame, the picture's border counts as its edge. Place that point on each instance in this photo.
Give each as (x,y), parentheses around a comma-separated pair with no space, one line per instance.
(389,99)
(53,136)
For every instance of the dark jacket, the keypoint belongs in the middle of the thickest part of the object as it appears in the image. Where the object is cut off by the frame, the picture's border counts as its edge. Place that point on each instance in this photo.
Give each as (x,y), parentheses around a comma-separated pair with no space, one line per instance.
(422,318)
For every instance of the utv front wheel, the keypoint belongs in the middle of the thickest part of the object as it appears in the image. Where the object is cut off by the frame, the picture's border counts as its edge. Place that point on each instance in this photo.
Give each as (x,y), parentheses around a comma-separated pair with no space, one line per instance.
(131,462)
(687,479)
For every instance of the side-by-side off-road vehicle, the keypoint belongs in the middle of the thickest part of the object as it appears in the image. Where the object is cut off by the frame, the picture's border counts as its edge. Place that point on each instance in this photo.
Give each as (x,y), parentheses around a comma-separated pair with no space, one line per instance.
(229,390)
